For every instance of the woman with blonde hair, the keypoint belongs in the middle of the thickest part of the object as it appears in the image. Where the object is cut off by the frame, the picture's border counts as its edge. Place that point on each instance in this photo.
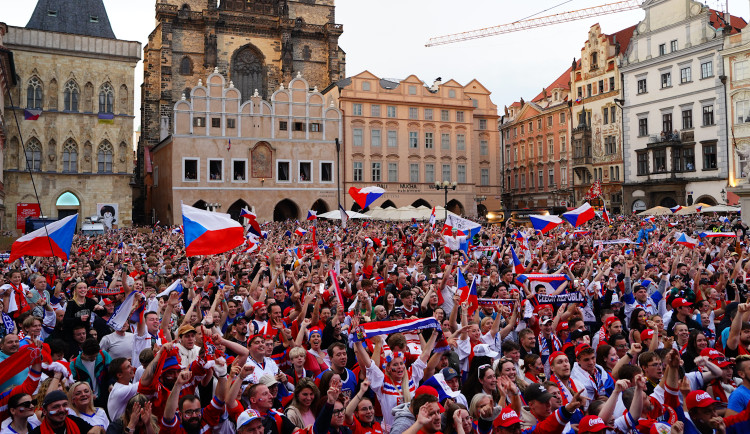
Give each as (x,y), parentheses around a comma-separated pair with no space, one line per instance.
(306,394)
(81,404)
(137,418)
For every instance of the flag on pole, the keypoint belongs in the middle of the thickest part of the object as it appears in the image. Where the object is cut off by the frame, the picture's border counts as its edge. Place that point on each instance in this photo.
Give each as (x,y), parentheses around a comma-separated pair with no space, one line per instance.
(344,216)
(229,144)
(208,233)
(518,268)
(580,215)
(365,196)
(55,239)
(605,214)
(468,293)
(299,231)
(685,240)
(545,223)
(312,215)
(674,209)
(252,222)
(433,220)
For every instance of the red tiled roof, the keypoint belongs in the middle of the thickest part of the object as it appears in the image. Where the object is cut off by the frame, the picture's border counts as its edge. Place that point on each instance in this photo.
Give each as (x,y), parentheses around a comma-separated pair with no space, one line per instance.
(623,37)
(735,21)
(516,104)
(562,81)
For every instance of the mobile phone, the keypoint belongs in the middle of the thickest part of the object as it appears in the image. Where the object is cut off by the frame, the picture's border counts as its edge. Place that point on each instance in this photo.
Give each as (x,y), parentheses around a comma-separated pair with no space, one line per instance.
(322,288)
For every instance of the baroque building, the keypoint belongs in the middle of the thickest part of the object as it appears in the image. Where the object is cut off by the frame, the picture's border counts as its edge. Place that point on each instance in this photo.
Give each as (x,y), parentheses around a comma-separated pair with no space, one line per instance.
(536,150)
(404,136)
(258,45)
(736,58)
(596,136)
(74,101)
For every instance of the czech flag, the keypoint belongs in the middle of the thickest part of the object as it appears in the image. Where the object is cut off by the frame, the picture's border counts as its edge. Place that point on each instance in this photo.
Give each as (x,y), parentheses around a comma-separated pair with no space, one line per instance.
(699,208)
(518,268)
(724,219)
(344,216)
(605,215)
(53,240)
(468,293)
(717,234)
(208,233)
(551,281)
(674,209)
(252,222)
(462,226)
(299,231)
(365,196)
(580,215)
(175,286)
(545,223)
(312,215)
(686,241)
(433,219)
(650,219)
(297,252)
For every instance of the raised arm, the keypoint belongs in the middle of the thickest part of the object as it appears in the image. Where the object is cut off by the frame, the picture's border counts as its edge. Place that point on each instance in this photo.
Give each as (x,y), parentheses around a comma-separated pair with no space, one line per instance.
(170,407)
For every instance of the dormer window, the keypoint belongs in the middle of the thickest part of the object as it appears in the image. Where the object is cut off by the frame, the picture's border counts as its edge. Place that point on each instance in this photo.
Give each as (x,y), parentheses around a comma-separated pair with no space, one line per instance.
(93,19)
(594,61)
(51,13)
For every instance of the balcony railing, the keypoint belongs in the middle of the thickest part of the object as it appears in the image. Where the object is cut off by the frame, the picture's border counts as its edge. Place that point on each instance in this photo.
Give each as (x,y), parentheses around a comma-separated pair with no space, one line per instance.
(578,161)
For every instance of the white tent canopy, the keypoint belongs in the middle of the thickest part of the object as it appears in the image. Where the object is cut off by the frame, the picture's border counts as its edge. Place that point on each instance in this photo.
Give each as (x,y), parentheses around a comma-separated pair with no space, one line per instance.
(406,213)
(336,215)
(721,208)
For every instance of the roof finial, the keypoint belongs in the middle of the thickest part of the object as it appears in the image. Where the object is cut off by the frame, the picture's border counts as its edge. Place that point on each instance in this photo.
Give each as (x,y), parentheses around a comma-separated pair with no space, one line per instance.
(299,74)
(255,94)
(216,69)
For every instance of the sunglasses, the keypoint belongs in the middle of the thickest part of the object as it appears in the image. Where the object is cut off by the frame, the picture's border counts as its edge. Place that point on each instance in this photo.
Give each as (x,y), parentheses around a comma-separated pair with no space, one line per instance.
(339,411)
(25,404)
(479,370)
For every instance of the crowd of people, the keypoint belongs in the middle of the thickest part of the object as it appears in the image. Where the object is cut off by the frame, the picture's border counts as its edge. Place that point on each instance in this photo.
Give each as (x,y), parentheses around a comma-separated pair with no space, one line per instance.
(385,328)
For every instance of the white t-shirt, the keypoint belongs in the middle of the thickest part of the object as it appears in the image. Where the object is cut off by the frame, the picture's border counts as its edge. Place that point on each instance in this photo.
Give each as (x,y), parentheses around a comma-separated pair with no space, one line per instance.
(119,397)
(118,346)
(98,418)
(268,366)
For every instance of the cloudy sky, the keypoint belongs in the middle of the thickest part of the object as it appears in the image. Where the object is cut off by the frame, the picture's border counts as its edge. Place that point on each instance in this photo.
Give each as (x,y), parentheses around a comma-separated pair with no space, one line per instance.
(387,37)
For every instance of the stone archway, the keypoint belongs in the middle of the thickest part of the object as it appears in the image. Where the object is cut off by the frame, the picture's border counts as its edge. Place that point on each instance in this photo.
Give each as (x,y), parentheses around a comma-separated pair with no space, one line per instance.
(285,210)
(67,204)
(668,202)
(708,200)
(356,208)
(235,208)
(388,203)
(320,206)
(455,207)
(201,204)
(421,202)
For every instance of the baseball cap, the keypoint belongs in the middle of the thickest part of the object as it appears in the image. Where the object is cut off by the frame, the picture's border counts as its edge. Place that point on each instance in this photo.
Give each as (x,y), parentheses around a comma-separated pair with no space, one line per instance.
(592,424)
(545,320)
(396,312)
(537,392)
(680,302)
(258,305)
(184,329)
(449,373)
(485,350)
(699,398)
(246,417)
(268,379)
(237,298)
(421,390)
(577,334)
(716,357)
(647,334)
(562,325)
(552,356)
(581,347)
(507,418)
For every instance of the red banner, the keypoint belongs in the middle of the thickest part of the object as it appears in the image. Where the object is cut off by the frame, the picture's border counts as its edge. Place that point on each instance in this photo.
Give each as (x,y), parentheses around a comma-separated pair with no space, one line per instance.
(24,210)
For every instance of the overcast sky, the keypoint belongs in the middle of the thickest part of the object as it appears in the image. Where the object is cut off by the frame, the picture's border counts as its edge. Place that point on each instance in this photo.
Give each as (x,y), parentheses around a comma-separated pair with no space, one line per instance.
(387,38)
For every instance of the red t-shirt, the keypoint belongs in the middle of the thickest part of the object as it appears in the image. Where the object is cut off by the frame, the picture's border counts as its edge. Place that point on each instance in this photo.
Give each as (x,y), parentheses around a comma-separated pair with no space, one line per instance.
(358,428)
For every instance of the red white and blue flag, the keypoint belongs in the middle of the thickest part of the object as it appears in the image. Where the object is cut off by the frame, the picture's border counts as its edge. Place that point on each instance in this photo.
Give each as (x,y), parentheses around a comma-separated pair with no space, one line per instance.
(717,234)
(209,233)
(468,292)
(605,214)
(339,294)
(551,281)
(299,231)
(686,240)
(461,225)
(545,223)
(252,222)
(698,208)
(312,215)
(122,313)
(518,267)
(674,209)
(365,196)
(650,219)
(376,328)
(55,239)
(580,215)
(344,216)
(433,220)
(31,114)
(176,286)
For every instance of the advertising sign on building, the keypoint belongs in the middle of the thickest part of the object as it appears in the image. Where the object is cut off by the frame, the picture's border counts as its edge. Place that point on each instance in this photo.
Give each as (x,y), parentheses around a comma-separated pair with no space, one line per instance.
(24,210)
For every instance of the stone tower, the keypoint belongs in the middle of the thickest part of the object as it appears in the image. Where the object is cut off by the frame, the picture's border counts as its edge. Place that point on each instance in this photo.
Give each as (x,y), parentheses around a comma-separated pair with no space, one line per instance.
(257,44)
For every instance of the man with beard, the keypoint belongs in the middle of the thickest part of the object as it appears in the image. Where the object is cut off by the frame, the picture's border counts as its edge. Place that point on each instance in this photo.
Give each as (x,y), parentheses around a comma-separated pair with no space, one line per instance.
(165,375)
(57,420)
(260,316)
(702,410)
(191,419)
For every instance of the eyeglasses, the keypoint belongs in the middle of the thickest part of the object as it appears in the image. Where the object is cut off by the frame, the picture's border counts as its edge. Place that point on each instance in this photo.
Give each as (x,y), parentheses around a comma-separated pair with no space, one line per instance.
(25,404)
(192,412)
(339,411)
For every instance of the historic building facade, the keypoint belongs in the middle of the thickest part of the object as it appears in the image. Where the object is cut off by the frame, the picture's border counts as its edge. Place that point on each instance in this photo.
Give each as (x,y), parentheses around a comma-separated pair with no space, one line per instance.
(596,136)
(736,58)
(75,92)
(257,45)
(536,150)
(675,149)
(276,157)
(405,136)
(7,80)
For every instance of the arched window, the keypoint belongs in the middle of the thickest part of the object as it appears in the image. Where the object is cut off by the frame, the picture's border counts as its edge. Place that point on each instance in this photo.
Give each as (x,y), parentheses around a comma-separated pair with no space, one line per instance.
(104,157)
(70,156)
(34,94)
(106,98)
(70,96)
(186,66)
(248,72)
(33,155)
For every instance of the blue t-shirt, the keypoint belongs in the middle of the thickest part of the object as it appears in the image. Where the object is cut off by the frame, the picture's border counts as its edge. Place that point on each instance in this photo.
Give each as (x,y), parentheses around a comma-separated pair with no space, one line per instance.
(739,399)
(348,384)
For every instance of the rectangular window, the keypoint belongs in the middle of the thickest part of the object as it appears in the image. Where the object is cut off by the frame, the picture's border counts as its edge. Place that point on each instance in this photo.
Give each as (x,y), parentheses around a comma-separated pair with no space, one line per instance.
(687,119)
(315,127)
(601,86)
(580,92)
(482,124)
(605,115)
(413,139)
(563,143)
(539,124)
(686,75)
(445,116)
(742,111)
(215,122)
(672,46)
(662,49)
(428,114)
(357,109)
(588,90)
(531,178)
(709,156)
(660,160)
(231,123)
(375,110)
(688,159)
(741,70)
(357,171)
(642,86)
(299,126)
(375,172)
(708,115)
(215,170)
(239,170)
(540,149)
(282,125)
(305,171)
(563,177)
(412,90)
(460,142)
(392,139)
(392,172)
(413,172)
(461,171)
(611,84)
(484,176)
(190,169)
(523,180)
(156,176)
(707,69)
(666,123)
(391,111)
(413,113)
(429,173)
(484,148)
(428,140)
(445,141)
(357,137)
(642,163)
(459,116)
(551,176)
(549,121)
(642,127)
(562,117)
(283,171)
(199,121)
(666,80)
(446,172)
(610,145)
(326,171)
(541,178)
(375,138)
(550,148)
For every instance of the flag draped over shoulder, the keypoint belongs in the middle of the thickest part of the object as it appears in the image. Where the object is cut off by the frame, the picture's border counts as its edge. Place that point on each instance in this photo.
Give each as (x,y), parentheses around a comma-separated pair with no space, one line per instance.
(370,329)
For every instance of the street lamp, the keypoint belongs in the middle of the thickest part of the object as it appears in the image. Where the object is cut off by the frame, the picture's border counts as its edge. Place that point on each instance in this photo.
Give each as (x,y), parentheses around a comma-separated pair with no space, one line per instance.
(723,196)
(445,186)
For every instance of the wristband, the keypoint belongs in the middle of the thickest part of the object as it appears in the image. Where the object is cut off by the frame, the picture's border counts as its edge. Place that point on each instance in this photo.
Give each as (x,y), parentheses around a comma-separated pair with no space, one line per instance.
(630,355)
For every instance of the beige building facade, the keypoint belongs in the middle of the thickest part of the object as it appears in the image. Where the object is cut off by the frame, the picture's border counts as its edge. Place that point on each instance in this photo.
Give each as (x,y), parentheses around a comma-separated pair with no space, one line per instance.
(7,80)
(736,58)
(80,148)
(227,152)
(404,136)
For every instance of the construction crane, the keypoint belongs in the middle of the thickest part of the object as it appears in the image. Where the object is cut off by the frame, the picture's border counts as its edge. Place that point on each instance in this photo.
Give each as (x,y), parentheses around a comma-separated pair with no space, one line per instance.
(564,17)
